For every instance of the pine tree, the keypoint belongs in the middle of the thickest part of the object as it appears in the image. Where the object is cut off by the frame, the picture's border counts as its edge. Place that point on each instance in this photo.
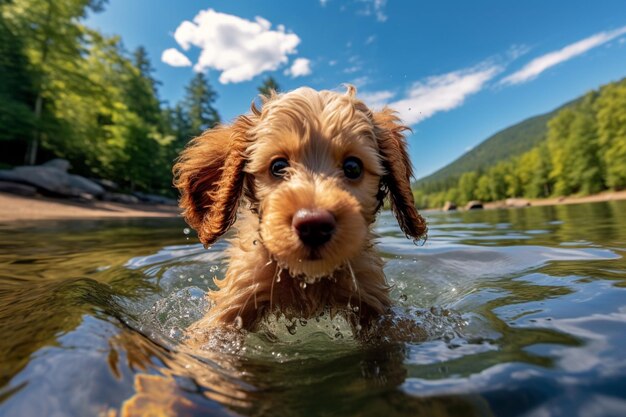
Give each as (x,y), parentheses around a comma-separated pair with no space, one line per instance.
(269,85)
(198,104)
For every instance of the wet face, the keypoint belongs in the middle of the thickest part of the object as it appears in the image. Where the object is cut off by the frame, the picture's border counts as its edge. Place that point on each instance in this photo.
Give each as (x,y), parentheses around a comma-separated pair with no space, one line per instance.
(316,169)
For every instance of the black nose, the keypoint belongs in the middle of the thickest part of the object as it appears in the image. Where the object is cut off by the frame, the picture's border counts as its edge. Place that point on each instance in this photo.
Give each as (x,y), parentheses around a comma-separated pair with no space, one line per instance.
(314,227)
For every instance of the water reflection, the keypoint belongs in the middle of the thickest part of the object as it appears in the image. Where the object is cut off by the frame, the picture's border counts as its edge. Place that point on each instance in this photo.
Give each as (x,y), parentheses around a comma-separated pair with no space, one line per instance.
(97,309)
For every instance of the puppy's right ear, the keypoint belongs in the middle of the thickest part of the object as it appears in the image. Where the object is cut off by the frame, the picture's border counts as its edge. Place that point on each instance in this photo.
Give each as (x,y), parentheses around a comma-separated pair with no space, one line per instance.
(209,175)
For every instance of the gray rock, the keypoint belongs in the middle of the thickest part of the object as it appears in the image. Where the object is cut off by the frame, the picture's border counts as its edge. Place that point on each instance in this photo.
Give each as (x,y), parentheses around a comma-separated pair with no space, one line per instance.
(52,180)
(155,199)
(449,206)
(474,205)
(58,163)
(120,198)
(106,184)
(17,188)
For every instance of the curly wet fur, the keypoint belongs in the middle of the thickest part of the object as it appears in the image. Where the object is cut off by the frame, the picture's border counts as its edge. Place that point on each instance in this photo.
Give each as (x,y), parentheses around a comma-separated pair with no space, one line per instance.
(225,172)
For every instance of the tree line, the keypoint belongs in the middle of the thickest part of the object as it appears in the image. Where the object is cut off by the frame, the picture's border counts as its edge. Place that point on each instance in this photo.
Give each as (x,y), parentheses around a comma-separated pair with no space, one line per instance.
(68,91)
(584,152)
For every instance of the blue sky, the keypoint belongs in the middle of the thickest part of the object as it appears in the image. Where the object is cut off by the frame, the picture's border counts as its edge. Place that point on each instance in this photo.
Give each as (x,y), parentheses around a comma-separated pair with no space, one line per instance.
(456,71)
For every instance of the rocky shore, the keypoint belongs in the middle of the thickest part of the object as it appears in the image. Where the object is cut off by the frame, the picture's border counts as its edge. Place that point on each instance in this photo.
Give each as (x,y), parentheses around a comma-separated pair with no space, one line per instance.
(49,191)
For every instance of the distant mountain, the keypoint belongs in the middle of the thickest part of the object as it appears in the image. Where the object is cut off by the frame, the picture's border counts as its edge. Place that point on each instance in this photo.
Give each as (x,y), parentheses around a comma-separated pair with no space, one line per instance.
(512,141)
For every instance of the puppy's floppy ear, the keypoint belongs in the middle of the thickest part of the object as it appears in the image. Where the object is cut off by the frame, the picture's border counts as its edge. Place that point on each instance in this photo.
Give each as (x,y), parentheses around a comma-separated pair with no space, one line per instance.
(209,175)
(398,172)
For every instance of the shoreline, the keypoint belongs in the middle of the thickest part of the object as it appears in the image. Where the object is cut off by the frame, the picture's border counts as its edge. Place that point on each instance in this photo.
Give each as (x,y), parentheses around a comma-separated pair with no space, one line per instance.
(555,201)
(14,208)
(552,201)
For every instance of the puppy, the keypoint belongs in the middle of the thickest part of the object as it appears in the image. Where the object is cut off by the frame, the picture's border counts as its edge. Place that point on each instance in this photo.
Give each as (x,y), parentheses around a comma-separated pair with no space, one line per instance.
(305,177)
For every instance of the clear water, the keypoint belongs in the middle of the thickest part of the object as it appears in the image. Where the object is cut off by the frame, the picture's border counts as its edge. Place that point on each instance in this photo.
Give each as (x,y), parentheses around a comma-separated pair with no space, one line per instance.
(524,313)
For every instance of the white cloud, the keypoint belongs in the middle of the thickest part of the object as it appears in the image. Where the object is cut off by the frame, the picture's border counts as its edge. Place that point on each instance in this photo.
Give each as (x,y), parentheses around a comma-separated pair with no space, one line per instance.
(175,58)
(442,92)
(239,48)
(517,51)
(374,7)
(352,69)
(542,63)
(359,82)
(323,2)
(376,99)
(299,68)
(370,39)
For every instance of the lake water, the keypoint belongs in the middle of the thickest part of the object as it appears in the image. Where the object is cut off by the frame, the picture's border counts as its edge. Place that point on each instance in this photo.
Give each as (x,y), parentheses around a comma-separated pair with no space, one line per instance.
(525,312)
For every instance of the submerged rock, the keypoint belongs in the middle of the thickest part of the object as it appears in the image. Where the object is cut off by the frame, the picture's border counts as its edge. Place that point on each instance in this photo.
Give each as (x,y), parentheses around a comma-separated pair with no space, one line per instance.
(474,205)
(449,206)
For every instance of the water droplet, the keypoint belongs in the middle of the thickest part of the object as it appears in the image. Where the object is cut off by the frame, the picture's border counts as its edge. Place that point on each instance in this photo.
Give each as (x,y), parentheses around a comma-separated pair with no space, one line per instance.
(303,285)
(278,279)
(189,280)
(355,309)
(358,327)
(202,276)
(292,328)
(186,230)
(238,323)
(254,242)
(338,335)
(403,297)
(303,322)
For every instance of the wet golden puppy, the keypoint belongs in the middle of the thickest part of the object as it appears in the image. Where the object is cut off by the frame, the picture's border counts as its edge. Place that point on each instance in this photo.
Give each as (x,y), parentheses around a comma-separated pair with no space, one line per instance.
(305,176)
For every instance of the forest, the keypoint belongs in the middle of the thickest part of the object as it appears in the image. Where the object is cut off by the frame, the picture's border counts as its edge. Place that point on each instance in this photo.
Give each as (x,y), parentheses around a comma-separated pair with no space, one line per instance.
(583,152)
(67,91)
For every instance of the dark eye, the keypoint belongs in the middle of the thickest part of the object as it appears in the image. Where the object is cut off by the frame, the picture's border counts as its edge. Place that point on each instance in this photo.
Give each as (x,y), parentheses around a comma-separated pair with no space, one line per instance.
(352,167)
(277,168)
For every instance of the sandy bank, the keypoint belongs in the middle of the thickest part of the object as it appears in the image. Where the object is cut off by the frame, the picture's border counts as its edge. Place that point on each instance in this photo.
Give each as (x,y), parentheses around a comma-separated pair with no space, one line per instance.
(605,196)
(16,208)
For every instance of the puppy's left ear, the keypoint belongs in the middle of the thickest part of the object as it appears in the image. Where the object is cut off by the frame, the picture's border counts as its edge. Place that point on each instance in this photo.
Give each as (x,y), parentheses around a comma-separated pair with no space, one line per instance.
(398,172)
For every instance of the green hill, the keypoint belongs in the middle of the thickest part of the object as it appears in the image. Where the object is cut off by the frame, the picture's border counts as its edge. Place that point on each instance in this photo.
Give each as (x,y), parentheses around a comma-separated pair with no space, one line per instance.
(512,141)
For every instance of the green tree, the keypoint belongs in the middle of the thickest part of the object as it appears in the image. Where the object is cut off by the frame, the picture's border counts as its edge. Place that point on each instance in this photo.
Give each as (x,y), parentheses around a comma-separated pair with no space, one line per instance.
(573,145)
(467,187)
(497,181)
(16,91)
(514,186)
(53,36)
(269,85)
(452,194)
(483,188)
(611,128)
(534,172)
(177,125)
(198,105)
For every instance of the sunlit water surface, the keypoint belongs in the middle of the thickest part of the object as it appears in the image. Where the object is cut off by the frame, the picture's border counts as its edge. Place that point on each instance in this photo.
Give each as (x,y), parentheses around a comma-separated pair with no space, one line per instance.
(524,311)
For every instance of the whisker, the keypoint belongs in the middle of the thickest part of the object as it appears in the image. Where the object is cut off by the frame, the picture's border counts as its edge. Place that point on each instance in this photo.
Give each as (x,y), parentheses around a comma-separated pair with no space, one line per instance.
(246,303)
(272,287)
(356,285)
